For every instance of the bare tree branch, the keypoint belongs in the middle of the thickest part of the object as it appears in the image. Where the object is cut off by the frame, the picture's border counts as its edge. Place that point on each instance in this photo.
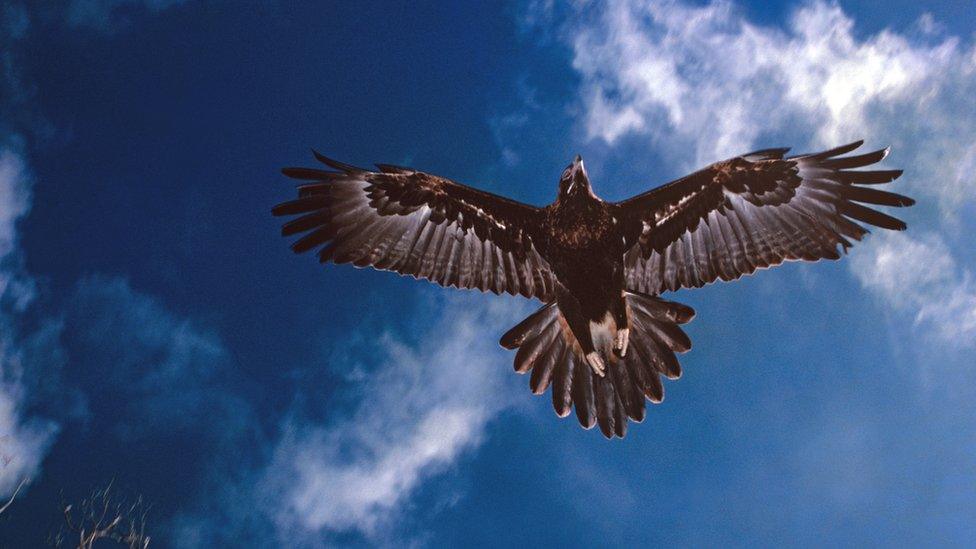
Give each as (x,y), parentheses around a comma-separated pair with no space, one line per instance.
(101,518)
(23,481)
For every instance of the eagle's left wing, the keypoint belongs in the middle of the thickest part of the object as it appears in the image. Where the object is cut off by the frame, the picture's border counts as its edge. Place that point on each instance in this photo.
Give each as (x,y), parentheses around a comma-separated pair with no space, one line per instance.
(418,224)
(751,212)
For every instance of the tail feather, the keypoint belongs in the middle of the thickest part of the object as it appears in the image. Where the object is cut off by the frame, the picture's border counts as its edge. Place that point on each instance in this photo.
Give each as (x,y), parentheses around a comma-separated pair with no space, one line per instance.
(648,377)
(529,353)
(562,383)
(529,327)
(583,399)
(547,348)
(606,406)
(542,370)
(631,395)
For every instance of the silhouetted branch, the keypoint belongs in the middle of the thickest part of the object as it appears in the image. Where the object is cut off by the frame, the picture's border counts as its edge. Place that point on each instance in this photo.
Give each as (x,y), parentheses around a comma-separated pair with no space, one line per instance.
(99,518)
(23,481)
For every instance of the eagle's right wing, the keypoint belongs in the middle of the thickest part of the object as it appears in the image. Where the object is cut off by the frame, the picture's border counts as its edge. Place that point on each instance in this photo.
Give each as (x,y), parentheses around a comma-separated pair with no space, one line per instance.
(418,224)
(751,212)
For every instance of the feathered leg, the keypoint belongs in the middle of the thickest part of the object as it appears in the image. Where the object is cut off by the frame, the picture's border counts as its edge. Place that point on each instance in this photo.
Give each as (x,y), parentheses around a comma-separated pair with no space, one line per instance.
(622,319)
(572,312)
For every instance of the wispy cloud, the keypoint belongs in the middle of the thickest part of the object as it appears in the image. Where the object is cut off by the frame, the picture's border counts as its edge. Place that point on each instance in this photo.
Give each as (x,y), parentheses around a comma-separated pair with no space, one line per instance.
(15,199)
(421,408)
(24,439)
(920,275)
(176,374)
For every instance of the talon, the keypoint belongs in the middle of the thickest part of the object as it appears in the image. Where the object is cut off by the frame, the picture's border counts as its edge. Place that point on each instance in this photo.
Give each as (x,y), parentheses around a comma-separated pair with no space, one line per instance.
(621,340)
(593,358)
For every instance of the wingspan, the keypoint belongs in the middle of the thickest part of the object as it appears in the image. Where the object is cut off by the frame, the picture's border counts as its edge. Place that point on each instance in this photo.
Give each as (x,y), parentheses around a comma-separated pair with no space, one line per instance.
(751,212)
(418,224)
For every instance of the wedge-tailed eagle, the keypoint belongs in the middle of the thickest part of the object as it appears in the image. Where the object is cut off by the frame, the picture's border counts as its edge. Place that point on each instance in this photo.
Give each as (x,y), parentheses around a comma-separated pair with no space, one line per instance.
(604,336)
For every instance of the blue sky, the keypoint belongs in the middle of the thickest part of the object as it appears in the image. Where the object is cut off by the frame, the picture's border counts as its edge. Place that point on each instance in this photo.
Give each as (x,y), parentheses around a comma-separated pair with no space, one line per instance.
(156,330)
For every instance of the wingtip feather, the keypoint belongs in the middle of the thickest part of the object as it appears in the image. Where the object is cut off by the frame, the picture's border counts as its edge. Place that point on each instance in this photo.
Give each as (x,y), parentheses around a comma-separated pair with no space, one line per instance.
(332,163)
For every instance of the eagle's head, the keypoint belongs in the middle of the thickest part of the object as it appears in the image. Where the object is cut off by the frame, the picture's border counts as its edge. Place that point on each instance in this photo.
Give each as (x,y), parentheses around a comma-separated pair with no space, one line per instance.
(574,181)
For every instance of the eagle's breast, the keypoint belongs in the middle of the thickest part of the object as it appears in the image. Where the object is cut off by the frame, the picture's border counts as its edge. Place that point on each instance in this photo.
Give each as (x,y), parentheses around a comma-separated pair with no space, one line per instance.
(581,225)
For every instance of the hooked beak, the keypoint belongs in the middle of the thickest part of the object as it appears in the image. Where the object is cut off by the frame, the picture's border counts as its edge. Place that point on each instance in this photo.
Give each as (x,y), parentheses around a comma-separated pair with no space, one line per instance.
(579,172)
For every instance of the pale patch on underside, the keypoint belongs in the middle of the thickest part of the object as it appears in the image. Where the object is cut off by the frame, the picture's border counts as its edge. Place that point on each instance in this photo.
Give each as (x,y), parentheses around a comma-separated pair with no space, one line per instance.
(604,335)
(672,210)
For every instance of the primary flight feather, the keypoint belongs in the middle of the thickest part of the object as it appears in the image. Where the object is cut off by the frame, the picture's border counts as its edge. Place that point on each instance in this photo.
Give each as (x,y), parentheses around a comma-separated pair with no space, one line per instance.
(604,338)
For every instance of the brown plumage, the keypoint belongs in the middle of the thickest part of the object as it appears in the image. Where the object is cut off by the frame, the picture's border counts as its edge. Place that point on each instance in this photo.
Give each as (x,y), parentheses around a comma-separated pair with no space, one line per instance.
(603,339)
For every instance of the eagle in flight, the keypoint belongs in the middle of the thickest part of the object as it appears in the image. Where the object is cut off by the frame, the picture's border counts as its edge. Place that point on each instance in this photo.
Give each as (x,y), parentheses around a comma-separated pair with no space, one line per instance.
(604,336)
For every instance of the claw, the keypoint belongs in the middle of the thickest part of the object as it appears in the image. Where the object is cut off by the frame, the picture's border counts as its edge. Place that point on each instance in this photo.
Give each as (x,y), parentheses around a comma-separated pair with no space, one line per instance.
(621,340)
(593,358)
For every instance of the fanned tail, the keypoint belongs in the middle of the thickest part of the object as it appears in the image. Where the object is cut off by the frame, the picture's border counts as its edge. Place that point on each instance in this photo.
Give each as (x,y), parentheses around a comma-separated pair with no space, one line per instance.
(548,349)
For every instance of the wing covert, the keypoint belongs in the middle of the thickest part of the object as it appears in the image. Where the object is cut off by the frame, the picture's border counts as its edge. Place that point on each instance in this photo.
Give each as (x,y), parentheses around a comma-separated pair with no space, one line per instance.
(413,223)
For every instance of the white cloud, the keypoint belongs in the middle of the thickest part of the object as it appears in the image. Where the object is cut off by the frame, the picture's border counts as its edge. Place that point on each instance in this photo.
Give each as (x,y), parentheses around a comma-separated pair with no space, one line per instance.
(329,493)
(920,275)
(24,440)
(419,411)
(704,83)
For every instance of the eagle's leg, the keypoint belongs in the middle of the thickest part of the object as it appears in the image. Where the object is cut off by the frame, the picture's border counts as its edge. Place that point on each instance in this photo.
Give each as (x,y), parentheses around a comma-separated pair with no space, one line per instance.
(596,363)
(570,309)
(620,315)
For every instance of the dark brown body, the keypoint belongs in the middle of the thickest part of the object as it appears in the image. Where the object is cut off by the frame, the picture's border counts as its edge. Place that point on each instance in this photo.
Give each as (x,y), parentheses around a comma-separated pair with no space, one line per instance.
(586,253)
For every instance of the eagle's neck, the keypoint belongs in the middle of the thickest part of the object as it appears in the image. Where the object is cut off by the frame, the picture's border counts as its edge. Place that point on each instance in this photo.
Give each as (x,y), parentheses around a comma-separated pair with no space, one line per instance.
(582,198)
